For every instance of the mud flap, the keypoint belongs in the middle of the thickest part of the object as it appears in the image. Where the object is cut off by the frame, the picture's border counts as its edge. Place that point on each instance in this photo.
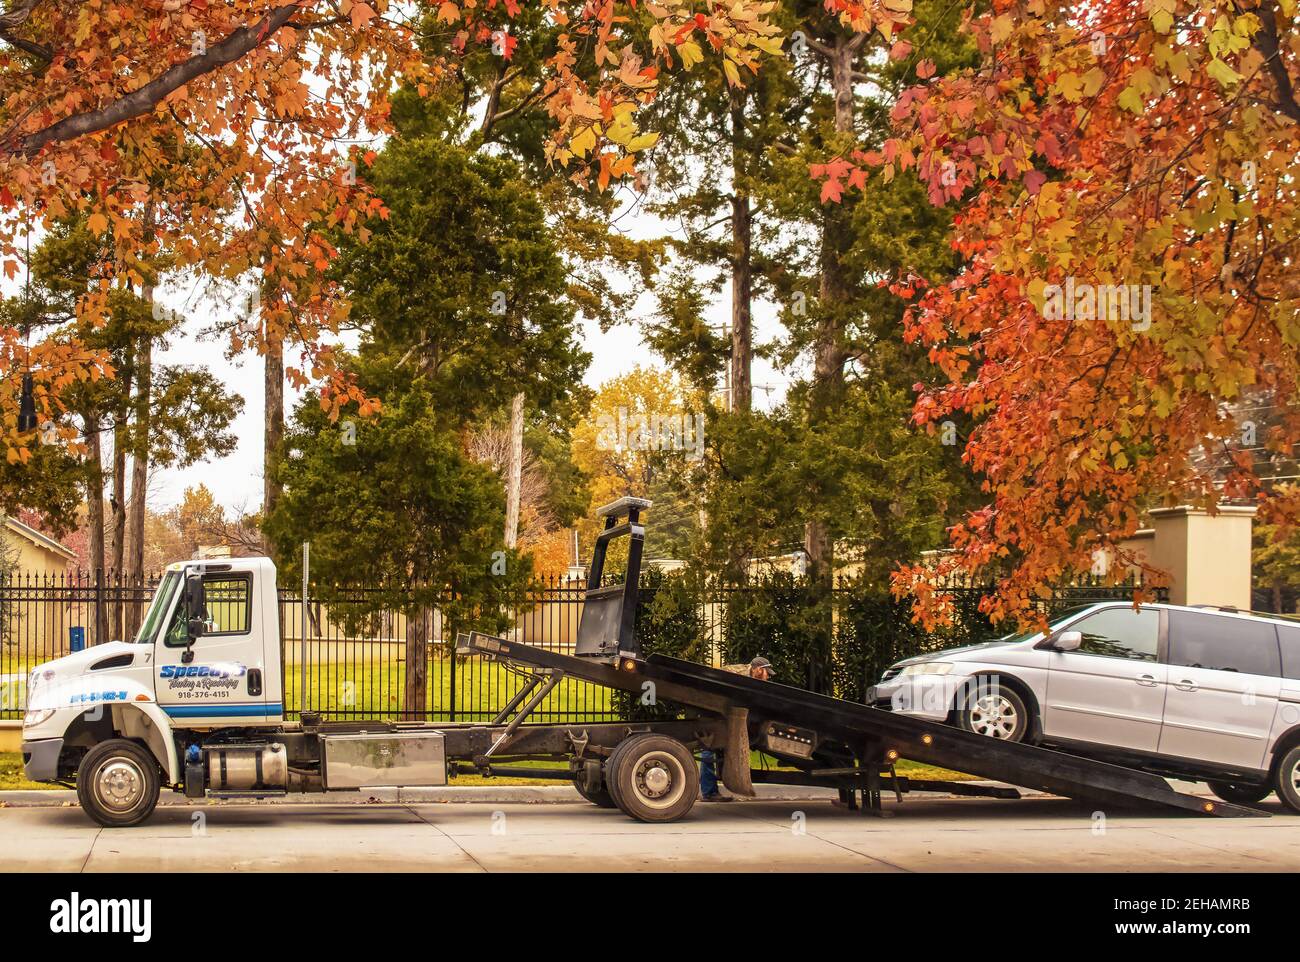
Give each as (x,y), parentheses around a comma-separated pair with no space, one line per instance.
(735,758)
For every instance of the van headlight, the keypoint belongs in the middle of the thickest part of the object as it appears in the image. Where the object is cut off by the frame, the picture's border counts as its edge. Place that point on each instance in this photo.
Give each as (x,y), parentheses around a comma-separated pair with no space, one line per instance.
(38,717)
(927,668)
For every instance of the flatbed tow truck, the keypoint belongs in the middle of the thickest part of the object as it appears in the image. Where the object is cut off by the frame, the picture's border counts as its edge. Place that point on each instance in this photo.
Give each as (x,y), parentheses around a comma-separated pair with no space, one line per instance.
(196,704)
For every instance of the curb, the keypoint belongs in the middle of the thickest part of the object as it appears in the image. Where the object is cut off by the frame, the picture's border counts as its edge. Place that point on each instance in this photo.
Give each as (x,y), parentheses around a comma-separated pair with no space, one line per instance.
(473,794)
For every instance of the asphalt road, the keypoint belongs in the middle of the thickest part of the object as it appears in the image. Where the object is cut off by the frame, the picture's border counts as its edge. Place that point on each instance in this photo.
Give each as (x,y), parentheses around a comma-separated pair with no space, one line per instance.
(928,834)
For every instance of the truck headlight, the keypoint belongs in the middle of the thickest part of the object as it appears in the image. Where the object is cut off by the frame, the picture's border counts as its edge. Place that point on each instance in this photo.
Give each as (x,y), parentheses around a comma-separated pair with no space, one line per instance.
(927,668)
(37,717)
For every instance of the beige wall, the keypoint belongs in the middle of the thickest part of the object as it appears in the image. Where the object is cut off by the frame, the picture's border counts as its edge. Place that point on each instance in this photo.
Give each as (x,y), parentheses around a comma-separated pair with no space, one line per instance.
(1207,556)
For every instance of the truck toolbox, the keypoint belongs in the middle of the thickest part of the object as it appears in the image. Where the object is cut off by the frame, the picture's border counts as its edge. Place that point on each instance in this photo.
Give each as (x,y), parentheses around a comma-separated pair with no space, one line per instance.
(384,760)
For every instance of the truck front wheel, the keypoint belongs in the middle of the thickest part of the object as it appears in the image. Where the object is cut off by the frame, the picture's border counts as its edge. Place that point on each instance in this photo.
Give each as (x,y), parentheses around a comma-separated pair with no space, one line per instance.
(653,778)
(118,783)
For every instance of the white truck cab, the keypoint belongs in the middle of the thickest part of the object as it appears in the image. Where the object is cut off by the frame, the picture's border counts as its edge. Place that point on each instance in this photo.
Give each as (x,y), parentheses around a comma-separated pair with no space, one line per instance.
(206,657)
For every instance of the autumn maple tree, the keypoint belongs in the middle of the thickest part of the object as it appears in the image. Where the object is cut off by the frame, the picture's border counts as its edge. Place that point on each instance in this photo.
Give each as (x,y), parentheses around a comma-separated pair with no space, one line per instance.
(235,125)
(1100,154)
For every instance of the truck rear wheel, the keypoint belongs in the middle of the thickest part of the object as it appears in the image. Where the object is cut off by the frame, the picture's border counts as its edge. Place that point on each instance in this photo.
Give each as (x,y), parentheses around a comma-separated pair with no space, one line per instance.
(653,778)
(600,797)
(118,783)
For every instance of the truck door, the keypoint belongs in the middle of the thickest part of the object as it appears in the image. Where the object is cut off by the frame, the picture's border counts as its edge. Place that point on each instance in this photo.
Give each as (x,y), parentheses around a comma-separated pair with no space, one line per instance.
(222,682)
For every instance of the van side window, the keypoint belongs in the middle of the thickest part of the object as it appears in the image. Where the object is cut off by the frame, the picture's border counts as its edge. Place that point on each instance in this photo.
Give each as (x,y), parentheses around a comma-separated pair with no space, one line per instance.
(1120,633)
(1224,644)
(1289,636)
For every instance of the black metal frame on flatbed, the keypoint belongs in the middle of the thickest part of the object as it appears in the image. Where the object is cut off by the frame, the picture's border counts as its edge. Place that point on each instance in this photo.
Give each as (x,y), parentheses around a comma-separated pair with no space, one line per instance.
(825,741)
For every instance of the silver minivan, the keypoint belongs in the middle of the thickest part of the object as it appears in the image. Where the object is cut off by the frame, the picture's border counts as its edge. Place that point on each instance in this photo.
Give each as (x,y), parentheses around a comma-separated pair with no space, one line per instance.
(1196,693)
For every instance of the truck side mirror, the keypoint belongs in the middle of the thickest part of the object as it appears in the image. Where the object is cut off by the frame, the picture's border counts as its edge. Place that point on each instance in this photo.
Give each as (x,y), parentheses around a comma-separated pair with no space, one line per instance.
(194,610)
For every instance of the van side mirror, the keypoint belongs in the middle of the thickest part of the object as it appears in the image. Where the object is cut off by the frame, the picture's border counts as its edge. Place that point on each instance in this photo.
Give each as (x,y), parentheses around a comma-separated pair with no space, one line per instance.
(1067,641)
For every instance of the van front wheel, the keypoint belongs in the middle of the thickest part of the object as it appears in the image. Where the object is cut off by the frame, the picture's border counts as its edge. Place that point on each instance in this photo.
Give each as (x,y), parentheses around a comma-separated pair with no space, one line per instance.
(118,783)
(989,707)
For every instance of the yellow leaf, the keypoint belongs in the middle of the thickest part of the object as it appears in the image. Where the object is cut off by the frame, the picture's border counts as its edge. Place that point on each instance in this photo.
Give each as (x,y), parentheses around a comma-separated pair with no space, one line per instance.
(97,223)
(643,142)
(583,141)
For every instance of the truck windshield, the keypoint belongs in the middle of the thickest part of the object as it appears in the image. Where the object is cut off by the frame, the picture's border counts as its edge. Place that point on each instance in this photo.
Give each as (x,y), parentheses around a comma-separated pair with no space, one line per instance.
(162,599)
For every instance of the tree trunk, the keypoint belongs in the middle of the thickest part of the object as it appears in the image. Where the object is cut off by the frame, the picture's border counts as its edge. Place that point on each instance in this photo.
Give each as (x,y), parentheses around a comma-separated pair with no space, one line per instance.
(417,665)
(829,356)
(117,497)
(742,269)
(273,420)
(95,520)
(514,469)
(835,290)
(139,479)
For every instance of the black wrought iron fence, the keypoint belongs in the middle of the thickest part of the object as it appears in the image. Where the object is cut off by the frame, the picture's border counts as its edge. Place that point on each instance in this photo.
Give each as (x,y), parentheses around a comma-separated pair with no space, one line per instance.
(345,659)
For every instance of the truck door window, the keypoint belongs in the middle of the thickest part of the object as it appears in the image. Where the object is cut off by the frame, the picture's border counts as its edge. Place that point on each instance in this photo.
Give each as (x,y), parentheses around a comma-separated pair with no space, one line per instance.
(1121,633)
(227,604)
(1222,643)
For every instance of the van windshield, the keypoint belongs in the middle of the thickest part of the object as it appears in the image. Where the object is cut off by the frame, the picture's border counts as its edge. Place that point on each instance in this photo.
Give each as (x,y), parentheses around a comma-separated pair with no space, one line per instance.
(162,599)
(1055,622)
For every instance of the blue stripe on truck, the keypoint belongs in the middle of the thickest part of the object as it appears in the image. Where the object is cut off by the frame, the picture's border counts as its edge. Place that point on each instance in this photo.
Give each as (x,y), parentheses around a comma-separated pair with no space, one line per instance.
(221,711)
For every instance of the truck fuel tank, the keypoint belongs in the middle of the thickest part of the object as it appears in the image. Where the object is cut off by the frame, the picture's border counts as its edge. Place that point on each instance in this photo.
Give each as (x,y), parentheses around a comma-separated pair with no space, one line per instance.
(240,768)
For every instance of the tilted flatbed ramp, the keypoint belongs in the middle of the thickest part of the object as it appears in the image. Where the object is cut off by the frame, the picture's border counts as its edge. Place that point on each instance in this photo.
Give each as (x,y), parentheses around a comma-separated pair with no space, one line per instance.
(942,745)
(871,733)
(828,740)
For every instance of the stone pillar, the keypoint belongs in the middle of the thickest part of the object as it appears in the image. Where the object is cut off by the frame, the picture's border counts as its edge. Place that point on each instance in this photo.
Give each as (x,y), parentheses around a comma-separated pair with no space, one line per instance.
(1207,556)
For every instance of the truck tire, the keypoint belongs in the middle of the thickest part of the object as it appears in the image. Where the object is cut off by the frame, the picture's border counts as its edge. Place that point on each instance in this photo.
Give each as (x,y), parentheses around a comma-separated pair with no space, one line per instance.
(118,783)
(988,707)
(1286,779)
(611,766)
(1240,793)
(653,778)
(600,797)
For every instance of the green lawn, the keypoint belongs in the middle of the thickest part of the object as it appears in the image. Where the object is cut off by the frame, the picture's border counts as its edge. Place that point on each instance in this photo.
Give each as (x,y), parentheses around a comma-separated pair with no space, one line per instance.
(372,688)
(11,774)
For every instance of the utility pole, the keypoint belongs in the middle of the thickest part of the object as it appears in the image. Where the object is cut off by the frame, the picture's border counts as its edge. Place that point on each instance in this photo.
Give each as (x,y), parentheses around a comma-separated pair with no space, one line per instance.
(514,469)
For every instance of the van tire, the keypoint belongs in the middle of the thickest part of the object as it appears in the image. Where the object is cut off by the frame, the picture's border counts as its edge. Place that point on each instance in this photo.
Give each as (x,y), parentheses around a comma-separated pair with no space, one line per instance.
(1286,779)
(986,705)
(118,783)
(1240,793)
(653,778)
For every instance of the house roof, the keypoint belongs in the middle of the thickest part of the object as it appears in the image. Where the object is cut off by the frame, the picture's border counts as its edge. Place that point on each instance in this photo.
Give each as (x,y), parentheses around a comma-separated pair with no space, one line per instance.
(37,538)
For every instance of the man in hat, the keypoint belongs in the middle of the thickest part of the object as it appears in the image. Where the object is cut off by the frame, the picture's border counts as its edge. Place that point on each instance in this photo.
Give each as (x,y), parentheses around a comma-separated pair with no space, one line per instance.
(761,669)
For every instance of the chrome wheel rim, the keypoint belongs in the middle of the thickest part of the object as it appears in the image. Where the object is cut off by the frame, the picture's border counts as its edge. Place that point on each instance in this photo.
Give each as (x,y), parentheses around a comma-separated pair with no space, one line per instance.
(119,785)
(993,715)
(658,779)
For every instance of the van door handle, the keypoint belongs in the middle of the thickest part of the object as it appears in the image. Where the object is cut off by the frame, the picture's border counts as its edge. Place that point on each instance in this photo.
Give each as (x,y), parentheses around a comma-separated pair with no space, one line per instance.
(255,681)
(1147,681)
(1186,685)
